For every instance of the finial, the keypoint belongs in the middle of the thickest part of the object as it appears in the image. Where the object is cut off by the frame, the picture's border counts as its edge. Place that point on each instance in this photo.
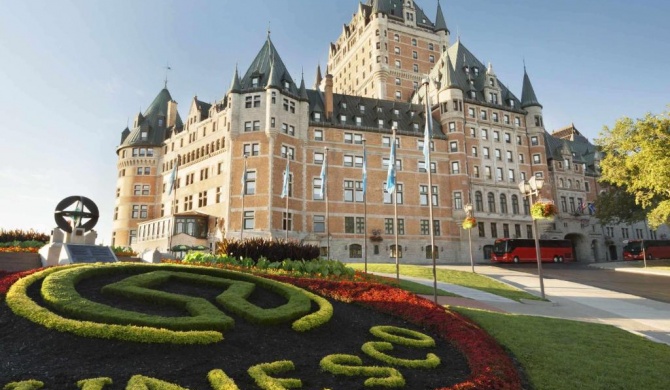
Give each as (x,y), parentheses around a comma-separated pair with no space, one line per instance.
(458,34)
(268,29)
(167,68)
(524,64)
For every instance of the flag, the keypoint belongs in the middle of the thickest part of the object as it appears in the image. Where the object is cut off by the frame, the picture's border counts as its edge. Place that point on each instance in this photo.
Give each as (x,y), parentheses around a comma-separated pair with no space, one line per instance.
(173,177)
(324,170)
(284,190)
(592,208)
(580,206)
(427,134)
(390,177)
(365,171)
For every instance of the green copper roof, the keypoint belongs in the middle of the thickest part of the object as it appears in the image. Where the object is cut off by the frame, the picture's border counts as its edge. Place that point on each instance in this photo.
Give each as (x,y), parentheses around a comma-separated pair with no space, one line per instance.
(268,69)
(151,129)
(528,97)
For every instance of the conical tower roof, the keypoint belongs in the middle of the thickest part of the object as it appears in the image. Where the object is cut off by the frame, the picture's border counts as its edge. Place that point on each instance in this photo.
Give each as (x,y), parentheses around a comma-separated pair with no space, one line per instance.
(268,69)
(235,84)
(528,97)
(151,128)
(440,24)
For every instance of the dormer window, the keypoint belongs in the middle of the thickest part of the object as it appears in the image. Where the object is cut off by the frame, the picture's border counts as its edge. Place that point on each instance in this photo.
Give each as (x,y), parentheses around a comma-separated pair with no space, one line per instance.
(344,105)
(361,108)
(380,109)
(511,103)
(286,85)
(473,95)
(254,82)
(466,69)
(396,111)
(475,71)
(160,122)
(492,82)
(144,135)
(317,117)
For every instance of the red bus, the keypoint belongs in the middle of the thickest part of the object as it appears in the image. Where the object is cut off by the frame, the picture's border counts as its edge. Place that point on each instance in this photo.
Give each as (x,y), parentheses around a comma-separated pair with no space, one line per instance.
(517,250)
(655,249)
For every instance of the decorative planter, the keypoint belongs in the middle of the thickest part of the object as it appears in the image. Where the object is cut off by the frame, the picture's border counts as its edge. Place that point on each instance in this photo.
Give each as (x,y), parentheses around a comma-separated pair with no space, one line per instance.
(543,210)
(469,223)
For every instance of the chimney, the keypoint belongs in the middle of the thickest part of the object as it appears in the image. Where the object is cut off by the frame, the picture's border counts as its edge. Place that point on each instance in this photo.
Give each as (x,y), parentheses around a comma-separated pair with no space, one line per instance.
(328,95)
(171,114)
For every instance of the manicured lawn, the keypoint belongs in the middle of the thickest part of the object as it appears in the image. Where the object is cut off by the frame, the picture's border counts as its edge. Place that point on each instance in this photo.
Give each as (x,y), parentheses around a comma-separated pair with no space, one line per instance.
(416,288)
(563,354)
(461,278)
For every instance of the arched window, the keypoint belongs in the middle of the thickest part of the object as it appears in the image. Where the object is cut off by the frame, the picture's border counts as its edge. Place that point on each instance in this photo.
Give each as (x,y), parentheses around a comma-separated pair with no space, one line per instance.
(355,251)
(429,253)
(392,252)
(526,206)
(492,202)
(503,203)
(515,204)
(479,201)
(561,183)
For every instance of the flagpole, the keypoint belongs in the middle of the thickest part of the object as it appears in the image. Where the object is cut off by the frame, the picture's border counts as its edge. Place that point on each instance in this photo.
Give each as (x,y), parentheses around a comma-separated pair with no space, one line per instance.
(244,190)
(395,209)
(365,208)
(287,179)
(426,146)
(325,193)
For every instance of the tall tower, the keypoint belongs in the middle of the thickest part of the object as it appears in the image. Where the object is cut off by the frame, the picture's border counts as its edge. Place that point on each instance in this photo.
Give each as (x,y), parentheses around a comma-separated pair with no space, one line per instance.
(535,125)
(139,181)
(387,49)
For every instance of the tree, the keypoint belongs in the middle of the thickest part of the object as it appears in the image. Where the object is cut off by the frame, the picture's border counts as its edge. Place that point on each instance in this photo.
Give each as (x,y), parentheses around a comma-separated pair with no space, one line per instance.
(616,205)
(637,159)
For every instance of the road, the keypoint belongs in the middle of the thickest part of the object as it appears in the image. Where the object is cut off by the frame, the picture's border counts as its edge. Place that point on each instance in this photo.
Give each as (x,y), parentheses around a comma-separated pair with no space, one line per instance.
(646,286)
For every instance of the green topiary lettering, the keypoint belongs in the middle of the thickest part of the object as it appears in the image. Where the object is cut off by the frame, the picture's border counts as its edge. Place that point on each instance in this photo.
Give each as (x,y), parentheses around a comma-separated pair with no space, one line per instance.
(94,383)
(352,365)
(220,381)
(261,375)
(140,382)
(30,384)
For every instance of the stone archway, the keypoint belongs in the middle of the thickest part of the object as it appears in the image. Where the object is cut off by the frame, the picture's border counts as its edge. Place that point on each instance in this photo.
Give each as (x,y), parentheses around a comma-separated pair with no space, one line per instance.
(613,253)
(581,247)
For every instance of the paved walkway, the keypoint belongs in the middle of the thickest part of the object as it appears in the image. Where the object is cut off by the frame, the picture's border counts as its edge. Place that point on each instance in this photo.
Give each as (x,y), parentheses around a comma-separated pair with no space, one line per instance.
(567,300)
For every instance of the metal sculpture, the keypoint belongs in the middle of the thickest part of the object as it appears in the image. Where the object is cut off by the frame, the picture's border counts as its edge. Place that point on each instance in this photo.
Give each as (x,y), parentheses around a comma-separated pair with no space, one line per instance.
(81,212)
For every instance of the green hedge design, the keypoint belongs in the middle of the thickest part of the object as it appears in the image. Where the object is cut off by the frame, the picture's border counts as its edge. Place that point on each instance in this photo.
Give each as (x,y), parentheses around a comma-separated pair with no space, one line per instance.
(352,365)
(94,383)
(140,382)
(220,381)
(24,385)
(376,349)
(59,290)
(261,375)
(402,336)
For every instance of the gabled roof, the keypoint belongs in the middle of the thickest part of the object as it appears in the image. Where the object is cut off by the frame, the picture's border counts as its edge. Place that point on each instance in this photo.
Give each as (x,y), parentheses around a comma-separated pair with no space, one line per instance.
(581,149)
(394,9)
(153,123)
(528,97)
(460,58)
(270,70)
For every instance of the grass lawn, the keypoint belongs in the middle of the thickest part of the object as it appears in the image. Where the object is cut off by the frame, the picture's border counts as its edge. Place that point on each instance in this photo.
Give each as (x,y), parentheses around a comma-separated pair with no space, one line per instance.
(461,278)
(417,288)
(563,354)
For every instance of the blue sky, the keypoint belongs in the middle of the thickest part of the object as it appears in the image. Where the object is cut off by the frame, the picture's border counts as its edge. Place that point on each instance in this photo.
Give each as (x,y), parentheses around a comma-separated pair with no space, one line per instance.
(72,73)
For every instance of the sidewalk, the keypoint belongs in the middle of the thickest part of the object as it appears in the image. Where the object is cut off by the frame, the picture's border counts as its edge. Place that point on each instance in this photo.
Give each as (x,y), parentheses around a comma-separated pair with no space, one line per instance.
(567,300)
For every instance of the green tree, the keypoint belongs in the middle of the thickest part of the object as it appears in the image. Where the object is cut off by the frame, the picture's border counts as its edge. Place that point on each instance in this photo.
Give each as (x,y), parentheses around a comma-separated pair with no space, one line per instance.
(637,158)
(616,205)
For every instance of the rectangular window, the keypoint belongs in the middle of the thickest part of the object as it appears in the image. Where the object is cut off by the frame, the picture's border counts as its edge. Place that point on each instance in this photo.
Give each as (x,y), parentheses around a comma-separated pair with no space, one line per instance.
(316,189)
(288,152)
(250,183)
(318,135)
(453,146)
(388,225)
(348,224)
(319,224)
(458,201)
(485,134)
(455,168)
(480,228)
(318,158)
(360,225)
(248,220)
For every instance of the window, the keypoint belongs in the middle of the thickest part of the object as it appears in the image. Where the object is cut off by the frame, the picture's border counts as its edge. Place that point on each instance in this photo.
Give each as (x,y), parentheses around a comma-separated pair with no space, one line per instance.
(415,68)
(521,159)
(317,117)
(360,225)
(422,167)
(398,95)
(483,115)
(487,172)
(480,227)
(536,159)
(486,152)
(202,199)
(316,189)
(250,183)
(251,149)
(498,154)
(458,201)
(479,201)
(397,64)
(257,100)
(355,251)
(248,220)
(413,41)
(397,81)
(526,206)
(388,225)
(473,132)
(348,224)
(396,50)
(139,211)
(496,136)
(494,116)
(319,224)
(586,186)
(515,206)
(455,167)
(288,152)
(492,202)
(453,146)
(474,151)
(510,175)
(485,134)
(471,112)
(247,102)
(534,141)
(517,121)
(247,126)
(564,204)
(503,204)
(318,158)
(475,171)
(494,230)
(318,135)
(506,119)
(393,251)
(431,59)
(452,127)
(508,154)
(415,55)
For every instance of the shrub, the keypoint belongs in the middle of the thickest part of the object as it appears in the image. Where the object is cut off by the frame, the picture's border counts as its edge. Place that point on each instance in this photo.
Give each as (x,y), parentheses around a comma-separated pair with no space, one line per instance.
(272,250)
(123,251)
(22,235)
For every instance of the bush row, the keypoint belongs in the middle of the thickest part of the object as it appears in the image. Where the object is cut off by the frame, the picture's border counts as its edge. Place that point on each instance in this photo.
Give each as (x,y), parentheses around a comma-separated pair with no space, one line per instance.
(22,235)
(22,244)
(270,249)
(318,267)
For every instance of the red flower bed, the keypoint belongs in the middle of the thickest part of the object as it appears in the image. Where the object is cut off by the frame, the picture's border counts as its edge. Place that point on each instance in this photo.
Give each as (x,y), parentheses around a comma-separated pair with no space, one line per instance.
(491,367)
(17,249)
(8,278)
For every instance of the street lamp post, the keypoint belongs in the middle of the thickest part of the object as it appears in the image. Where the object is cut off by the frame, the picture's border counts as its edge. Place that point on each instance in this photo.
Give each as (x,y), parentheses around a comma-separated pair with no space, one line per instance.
(468,213)
(529,189)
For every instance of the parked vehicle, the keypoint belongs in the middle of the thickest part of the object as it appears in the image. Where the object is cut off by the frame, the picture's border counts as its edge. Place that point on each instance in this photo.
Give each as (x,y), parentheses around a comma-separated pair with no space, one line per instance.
(655,249)
(517,250)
